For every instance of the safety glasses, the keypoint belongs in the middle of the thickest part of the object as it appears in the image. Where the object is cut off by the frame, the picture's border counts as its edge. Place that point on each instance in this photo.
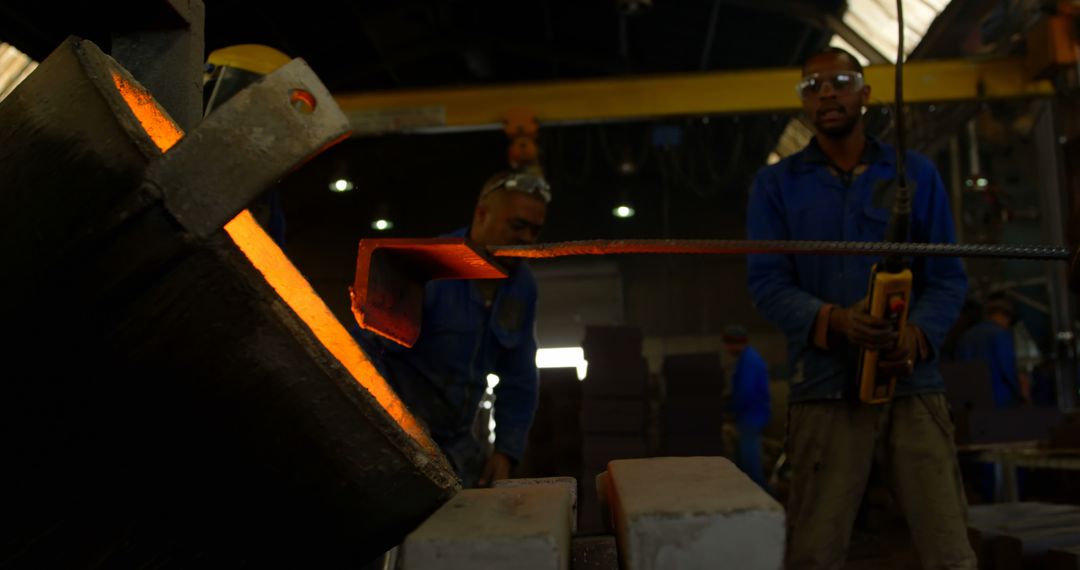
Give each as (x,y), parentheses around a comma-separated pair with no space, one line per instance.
(523,182)
(844,81)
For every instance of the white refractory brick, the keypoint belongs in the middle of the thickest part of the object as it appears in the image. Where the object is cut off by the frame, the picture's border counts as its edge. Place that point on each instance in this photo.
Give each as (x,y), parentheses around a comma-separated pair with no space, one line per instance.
(526,528)
(570,483)
(693,513)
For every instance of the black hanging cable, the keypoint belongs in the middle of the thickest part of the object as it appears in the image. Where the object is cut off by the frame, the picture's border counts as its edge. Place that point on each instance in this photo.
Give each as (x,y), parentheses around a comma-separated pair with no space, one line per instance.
(706,52)
(901,214)
(900,154)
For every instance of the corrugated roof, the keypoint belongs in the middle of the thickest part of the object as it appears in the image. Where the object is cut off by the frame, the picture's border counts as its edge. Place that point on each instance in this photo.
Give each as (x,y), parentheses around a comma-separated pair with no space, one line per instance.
(875,21)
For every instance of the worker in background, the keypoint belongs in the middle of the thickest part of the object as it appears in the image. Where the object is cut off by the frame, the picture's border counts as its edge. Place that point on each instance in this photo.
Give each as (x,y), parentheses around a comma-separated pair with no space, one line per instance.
(992,341)
(471,329)
(228,71)
(838,188)
(749,401)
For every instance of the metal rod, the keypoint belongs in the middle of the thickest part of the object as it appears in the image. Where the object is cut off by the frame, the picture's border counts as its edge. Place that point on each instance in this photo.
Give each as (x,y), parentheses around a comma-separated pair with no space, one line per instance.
(742,247)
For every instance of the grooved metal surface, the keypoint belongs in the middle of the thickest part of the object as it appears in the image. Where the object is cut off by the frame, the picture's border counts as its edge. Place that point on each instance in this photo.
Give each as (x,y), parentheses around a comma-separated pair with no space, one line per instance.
(742,247)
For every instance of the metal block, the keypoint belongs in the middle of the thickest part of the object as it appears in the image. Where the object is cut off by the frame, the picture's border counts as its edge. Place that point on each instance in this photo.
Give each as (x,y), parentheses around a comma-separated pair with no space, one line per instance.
(694,390)
(613,416)
(988,524)
(997,426)
(570,483)
(505,527)
(598,450)
(692,512)
(626,377)
(696,374)
(1030,548)
(607,342)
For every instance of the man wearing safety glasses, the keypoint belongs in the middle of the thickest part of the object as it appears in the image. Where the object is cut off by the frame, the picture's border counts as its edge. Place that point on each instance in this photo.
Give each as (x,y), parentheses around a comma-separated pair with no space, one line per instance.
(471,329)
(841,187)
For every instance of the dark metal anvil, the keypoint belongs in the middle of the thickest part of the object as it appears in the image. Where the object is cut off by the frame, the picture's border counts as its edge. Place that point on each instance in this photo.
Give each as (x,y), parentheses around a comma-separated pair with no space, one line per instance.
(175,391)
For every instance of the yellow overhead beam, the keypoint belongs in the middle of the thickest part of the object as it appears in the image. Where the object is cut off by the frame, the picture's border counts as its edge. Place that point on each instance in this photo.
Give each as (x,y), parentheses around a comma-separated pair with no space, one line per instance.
(626,98)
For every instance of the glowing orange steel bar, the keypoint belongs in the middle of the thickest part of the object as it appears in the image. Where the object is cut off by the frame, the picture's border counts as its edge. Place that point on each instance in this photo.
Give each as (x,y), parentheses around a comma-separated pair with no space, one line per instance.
(162,130)
(280,273)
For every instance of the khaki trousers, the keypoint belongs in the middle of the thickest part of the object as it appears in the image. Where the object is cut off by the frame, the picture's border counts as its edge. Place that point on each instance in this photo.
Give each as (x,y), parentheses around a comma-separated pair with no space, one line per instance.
(832,446)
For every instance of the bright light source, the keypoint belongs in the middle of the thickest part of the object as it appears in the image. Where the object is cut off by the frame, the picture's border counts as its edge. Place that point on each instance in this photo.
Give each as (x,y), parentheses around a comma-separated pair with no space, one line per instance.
(492,380)
(491,428)
(341,185)
(382,225)
(623,211)
(977,182)
(568,357)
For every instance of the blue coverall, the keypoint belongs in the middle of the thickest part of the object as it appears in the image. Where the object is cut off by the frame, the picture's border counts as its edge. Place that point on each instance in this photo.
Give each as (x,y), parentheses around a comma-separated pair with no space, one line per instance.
(800,199)
(750,404)
(990,342)
(832,438)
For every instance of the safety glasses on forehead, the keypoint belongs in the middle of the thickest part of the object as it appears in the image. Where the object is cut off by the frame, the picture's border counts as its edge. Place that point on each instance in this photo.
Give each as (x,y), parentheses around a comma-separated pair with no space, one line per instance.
(523,182)
(844,81)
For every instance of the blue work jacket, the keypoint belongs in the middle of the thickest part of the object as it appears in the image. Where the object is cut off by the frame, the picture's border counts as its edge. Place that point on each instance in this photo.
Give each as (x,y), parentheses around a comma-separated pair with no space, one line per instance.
(799,198)
(993,344)
(444,375)
(750,399)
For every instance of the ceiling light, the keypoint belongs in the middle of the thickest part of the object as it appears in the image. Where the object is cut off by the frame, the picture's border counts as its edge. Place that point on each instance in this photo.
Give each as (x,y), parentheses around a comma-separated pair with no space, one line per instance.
(341,185)
(565,357)
(382,225)
(977,182)
(623,211)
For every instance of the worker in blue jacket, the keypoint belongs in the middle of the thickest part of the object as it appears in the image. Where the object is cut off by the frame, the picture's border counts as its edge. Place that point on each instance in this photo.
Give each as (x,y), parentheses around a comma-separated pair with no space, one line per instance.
(750,401)
(837,188)
(471,329)
(992,342)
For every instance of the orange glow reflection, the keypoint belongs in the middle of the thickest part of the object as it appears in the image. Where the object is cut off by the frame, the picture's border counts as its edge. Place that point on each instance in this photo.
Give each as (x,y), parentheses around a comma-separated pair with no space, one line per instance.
(280,273)
(162,130)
